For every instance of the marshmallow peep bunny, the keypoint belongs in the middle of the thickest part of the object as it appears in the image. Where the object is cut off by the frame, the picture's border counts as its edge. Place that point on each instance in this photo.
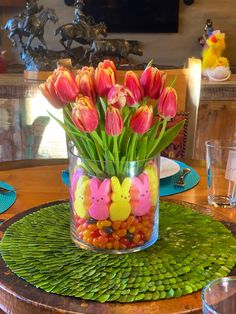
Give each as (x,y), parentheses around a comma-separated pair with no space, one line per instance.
(151,171)
(120,208)
(140,195)
(100,198)
(82,197)
(74,180)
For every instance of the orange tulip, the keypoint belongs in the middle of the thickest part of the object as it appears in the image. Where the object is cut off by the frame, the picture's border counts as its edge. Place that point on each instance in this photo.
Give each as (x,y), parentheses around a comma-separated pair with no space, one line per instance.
(113,122)
(141,120)
(84,114)
(60,88)
(131,81)
(117,96)
(86,82)
(105,77)
(152,82)
(167,104)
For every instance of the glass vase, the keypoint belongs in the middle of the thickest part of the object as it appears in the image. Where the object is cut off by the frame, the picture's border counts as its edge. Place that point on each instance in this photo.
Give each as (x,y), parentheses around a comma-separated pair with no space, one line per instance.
(114,205)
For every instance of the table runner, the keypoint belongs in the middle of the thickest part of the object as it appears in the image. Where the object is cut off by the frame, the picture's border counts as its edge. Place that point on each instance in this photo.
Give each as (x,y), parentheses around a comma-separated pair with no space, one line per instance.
(192,250)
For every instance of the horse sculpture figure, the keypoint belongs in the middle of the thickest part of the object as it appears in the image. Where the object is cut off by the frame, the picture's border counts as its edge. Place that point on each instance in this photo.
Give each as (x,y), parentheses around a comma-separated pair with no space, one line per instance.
(77,32)
(15,26)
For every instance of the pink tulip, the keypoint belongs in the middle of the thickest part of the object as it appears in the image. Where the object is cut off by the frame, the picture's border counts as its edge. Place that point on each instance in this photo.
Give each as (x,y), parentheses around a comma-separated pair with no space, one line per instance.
(152,82)
(60,88)
(105,77)
(86,82)
(167,104)
(117,96)
(141,120)
(114,122)
(84,114)
(131,81)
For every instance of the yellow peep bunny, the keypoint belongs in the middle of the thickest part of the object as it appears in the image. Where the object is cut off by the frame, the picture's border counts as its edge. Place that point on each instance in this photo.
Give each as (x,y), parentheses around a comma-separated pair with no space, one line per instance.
(120,208)
(82,197)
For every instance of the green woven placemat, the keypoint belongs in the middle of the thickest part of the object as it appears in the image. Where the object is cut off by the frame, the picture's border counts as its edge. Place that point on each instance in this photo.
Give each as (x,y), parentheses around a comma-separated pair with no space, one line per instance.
(192,250)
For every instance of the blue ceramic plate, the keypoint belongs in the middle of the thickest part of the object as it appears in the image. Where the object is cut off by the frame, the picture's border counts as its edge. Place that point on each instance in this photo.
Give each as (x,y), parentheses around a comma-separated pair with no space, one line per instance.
(6,200)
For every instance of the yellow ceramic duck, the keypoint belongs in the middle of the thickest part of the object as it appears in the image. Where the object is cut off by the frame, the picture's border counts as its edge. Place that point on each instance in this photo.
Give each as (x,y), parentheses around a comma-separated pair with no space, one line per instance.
(212,52)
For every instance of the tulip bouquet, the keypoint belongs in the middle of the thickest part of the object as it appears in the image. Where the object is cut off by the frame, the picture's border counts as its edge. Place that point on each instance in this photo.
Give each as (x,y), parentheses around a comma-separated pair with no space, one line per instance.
(111,124)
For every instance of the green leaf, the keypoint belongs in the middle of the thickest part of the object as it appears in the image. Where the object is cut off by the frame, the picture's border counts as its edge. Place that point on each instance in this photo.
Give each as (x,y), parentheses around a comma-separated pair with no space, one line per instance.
(142,153)
(168,138)
(152,135)
(159,138)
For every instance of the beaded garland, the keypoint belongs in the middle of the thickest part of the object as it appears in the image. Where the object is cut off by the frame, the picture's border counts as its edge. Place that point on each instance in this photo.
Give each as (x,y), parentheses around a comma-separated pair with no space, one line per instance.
(192,250)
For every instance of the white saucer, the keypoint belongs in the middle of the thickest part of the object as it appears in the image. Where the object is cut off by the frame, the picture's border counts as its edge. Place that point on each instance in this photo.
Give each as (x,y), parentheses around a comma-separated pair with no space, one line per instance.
(168,168)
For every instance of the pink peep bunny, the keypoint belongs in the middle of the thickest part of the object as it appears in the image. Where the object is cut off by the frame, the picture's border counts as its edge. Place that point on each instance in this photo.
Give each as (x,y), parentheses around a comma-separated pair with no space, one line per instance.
(101,198)
(140,195)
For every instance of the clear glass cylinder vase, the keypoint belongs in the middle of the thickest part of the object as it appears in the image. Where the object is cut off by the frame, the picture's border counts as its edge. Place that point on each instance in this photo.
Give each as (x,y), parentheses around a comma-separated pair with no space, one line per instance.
(114,205)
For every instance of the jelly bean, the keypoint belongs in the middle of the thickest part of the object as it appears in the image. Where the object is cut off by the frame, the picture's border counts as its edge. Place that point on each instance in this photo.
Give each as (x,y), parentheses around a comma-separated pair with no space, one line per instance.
(135,221)
(108,230)
(80,220)
(130,220)
(102,239)
(129,236)
(102,233)
(81,235)
(141,242)
(123,246)
(92,227)
(91,221)
(121,232)
(95,233)
(123,225)
(132,229)
(116,224)
(99,224)
(116,244)
(85,225)
(115,236)
(139,226)
(95,242)
(79,228)
(136,238)
(106,223)
(86,233)
(109,245)
(145,222)
(125,241)
(102,245)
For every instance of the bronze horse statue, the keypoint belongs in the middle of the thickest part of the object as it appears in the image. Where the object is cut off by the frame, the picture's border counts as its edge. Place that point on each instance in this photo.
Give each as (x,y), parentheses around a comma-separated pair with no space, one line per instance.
(82,33)
(15,26)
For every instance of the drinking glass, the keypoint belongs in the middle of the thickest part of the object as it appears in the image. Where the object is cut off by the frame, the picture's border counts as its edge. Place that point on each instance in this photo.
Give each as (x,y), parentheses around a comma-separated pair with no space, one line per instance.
(219,296)
(221,172)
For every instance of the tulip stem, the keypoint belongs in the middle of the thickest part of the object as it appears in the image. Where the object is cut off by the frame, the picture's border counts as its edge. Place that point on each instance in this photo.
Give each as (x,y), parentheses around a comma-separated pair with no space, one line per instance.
(132,146)
(159,137)
(116,153)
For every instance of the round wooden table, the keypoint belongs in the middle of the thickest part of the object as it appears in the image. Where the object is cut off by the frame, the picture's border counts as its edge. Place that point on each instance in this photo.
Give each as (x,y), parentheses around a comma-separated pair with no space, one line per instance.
(39,182)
